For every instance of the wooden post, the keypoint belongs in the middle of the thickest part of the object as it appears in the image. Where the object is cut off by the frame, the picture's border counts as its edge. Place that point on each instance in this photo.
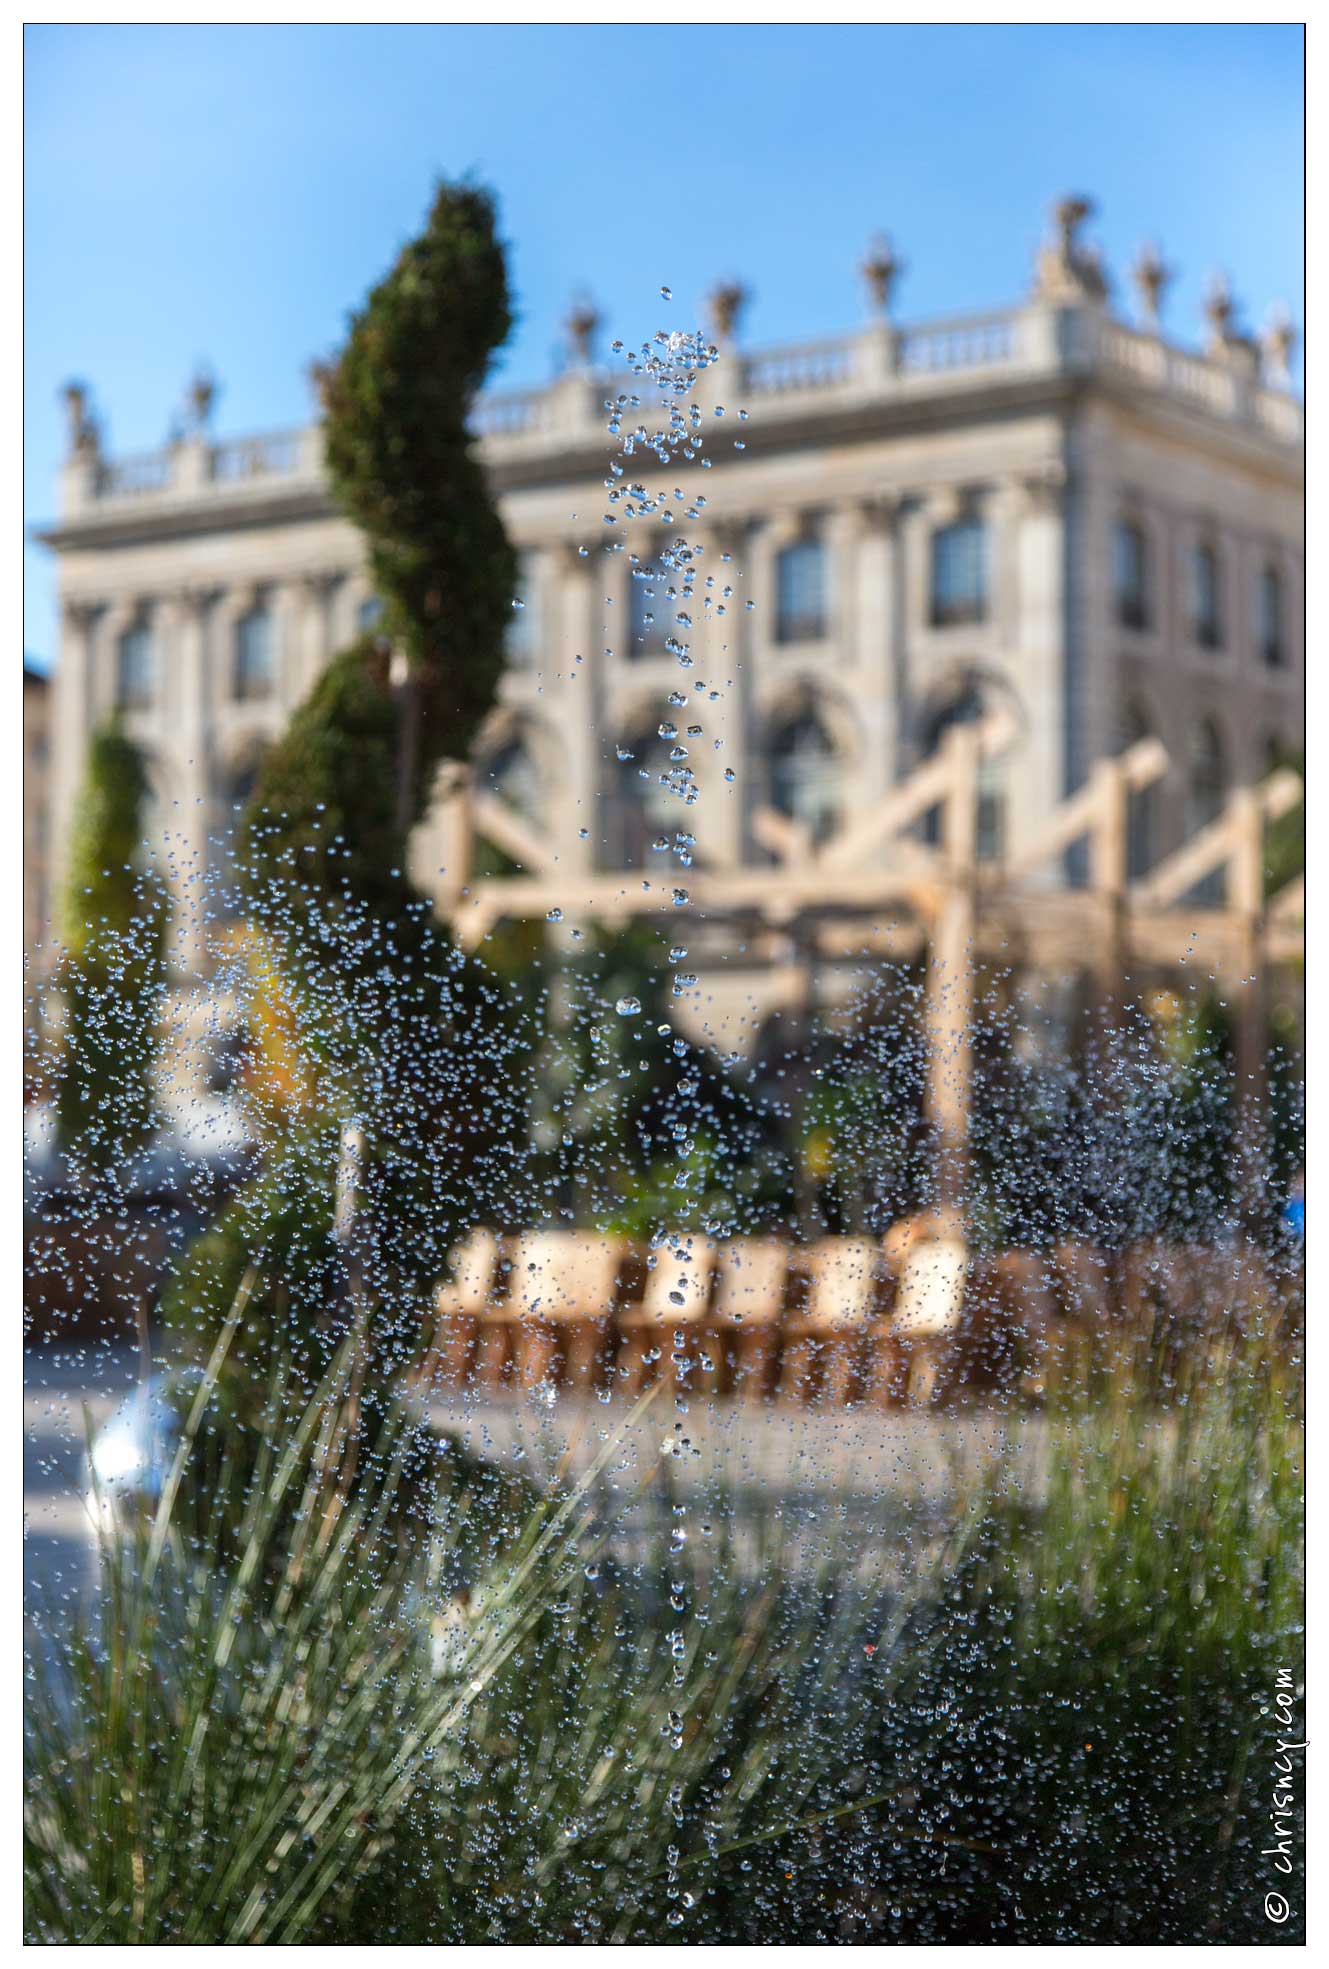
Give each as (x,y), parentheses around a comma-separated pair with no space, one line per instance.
(950,974)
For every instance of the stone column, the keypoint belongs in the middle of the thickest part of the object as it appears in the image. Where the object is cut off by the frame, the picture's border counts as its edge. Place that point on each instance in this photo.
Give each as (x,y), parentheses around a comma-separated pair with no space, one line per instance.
(721,646)
(289,628)
(572,611)
(315,642)
(1032,631)
(220,673)
(105,678)
(193,769)
(871,628)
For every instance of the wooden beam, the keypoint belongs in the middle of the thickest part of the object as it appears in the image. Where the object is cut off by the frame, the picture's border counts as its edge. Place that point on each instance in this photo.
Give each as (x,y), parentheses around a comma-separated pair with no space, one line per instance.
(787,839)
(508,831)
(1077,816)
(1215,845)
(909,801)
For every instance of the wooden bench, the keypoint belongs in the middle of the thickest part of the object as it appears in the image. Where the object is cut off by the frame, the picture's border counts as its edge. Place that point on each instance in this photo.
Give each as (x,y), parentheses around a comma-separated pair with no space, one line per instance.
(460,1306)
(826,1344)
(669,1323)
(555,1323)
(748,1311)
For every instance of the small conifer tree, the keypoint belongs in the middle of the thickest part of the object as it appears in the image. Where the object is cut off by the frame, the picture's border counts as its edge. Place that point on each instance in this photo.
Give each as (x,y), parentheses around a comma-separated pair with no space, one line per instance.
(113,968)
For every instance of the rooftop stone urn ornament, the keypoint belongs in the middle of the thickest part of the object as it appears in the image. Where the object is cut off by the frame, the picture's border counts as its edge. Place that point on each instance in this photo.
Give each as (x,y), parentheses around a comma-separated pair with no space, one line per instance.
(1152,277)
(582,322)
(727,301)
(881,270)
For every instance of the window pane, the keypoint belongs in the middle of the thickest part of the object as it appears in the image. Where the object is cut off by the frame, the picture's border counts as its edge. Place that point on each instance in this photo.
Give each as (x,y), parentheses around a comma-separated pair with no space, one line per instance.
(1132,577)
(1269,617)
(134,667)
(650,611)
(1206,620)
(369,614)
(511,775)
(1141,804)
(646,802)
(520,639)
(805,775)
(800,593)
(959,573)
(253,655)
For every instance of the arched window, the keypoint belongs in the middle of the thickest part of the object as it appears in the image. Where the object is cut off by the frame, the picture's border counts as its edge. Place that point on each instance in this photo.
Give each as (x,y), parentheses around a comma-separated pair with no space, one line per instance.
(512,776)
(152,814)
(959,573)
(968,705)
(1205,796)
(235,789)
(650,609)
(254,660)
(1142,802)
(804,773)
(522,631)
(800,592)
(368,615)
(1206,597)
(645,804)
(1269,627)
(1208,776)
(135,668)
(1131,575)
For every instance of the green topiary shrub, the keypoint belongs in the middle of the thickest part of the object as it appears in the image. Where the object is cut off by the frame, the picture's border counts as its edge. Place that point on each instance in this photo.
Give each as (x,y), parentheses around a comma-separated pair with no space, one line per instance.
(113,970)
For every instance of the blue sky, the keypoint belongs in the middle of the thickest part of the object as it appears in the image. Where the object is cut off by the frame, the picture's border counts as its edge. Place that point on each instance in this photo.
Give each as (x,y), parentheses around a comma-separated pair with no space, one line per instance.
(229,193)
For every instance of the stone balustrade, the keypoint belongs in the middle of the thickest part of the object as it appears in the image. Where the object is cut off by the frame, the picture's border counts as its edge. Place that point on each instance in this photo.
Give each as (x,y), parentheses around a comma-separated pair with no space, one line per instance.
(960,354)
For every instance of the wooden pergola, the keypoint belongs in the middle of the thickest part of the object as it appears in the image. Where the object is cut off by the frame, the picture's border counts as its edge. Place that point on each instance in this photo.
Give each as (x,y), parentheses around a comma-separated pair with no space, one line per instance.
(960,908)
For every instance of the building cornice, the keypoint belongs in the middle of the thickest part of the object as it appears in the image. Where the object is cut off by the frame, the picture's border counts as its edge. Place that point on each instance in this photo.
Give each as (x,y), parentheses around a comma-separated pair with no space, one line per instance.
(853,390)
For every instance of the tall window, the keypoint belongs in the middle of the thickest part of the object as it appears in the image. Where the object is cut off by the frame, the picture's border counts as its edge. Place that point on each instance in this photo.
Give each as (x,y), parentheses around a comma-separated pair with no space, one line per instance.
(650,610)
(800,592)
(134,668)
(1269,626)
(959,573)
(1206,793)
(235,789)
(512,776)
(1206,598)
(368,615)
(805,777)
(644,808)
(1142,802)
(520,637)
(1131,575)
(968,705)
(254,654)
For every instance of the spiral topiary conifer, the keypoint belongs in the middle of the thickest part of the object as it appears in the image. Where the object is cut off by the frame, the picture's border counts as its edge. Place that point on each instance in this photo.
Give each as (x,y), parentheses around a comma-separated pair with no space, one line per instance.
(360,756)
(402,1031)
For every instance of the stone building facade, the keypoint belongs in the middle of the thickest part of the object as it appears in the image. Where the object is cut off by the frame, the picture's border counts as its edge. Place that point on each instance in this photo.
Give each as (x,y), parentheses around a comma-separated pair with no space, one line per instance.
(1046,506)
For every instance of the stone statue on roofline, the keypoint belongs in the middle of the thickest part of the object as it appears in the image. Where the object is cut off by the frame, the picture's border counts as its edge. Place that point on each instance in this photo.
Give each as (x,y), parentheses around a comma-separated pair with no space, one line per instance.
(1067,271)
(84,435)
